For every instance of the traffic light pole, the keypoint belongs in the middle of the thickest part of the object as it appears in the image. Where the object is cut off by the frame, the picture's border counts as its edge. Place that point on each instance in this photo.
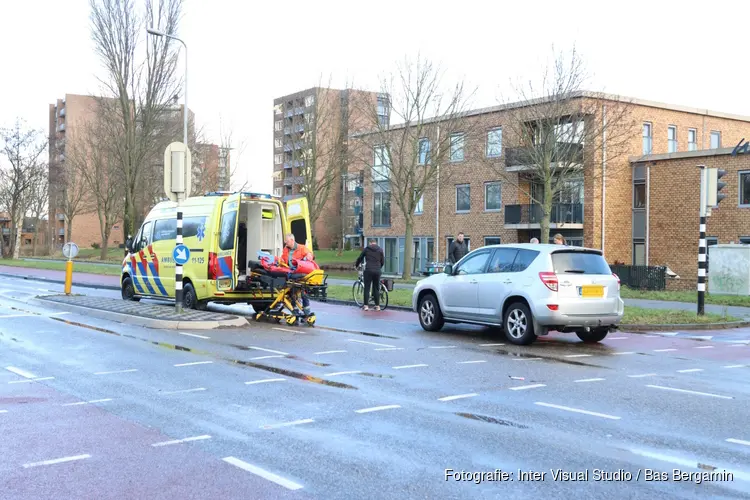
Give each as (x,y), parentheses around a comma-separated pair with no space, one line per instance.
(702,268)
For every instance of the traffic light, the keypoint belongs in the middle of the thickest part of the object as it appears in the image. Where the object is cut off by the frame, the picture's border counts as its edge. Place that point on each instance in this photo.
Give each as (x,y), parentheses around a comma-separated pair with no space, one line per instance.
(714,186)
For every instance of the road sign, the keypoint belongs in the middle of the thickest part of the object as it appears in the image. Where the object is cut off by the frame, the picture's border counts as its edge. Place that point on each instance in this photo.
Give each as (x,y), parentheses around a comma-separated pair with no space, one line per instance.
(70,250)
(177,171)
(181,254)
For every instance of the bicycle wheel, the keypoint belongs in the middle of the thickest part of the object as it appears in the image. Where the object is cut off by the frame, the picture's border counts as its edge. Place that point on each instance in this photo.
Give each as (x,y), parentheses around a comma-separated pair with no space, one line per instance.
(358,293)
(383,297)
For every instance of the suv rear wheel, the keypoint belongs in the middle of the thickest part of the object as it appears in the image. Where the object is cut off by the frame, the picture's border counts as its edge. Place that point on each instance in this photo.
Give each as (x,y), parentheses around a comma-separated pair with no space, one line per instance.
(518,325)
(592,336)
(430,315)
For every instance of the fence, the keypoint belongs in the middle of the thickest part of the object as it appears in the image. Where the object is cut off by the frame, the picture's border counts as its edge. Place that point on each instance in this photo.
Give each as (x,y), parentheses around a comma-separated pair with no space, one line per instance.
(641,277)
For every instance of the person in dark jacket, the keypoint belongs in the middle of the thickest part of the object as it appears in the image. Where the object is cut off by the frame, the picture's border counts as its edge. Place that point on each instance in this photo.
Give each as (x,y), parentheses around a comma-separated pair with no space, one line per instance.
(458,249)
(374,260)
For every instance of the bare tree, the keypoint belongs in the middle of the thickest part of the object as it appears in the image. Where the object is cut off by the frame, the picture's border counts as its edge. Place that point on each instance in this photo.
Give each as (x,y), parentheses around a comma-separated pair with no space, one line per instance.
(141,90)
(74,196)
(403,160)
(38,202)
(22,148)
(559,132)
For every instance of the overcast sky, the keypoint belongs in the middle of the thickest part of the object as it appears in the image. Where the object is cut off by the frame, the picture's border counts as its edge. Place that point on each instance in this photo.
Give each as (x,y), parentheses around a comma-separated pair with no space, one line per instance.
(245,53)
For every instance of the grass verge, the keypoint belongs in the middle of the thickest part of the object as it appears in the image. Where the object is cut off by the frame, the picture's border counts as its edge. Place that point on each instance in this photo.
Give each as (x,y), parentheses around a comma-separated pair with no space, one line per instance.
(80,267)
(720,300)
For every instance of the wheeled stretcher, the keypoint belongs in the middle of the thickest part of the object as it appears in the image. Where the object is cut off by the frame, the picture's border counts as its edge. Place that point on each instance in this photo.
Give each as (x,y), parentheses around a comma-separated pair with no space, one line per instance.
(288,287)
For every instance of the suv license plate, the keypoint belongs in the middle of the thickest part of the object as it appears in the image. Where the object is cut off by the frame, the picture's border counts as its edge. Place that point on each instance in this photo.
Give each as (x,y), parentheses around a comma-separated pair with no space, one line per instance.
(591,291)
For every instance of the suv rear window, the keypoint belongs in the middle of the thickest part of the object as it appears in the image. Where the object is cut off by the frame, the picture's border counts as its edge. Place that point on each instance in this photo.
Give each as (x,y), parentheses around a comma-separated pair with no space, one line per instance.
(577,262)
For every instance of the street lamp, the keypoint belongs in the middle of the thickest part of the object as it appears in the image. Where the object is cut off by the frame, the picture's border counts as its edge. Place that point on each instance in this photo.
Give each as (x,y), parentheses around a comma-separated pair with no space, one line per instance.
(152,31)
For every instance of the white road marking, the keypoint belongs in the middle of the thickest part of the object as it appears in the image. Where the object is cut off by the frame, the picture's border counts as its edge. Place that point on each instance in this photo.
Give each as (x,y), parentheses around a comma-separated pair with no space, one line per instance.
(650,336)
(689,392)
(459,396)
(576,410)
(664,350)
(30,380)
(58,313)
(185,390)
(441,347)
(738,441)
(3,411)
(489,345)
(704,347)
(341,373)
(737,345)
(56,461)
(690,370)
(370,343)
(328,352)
(687,463)
(590,380)
(265,380)
(578,355)
(526,359)
(288,424)
(701,337)
(20,372)
(734,366)
(16,315)
(88,402)
(471,362)
(268,350)
(408,366)
(616,338)
(267,357)
(195,363)
(390,349)
(285,329)
(286,483)
(669,334)
(622,353)
(524,387)
(131,370)
(642,375)
(194,335)
(185,440)
(377,408)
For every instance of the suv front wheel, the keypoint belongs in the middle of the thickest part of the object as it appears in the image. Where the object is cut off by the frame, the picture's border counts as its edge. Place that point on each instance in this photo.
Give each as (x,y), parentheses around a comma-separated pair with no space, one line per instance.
(518,325)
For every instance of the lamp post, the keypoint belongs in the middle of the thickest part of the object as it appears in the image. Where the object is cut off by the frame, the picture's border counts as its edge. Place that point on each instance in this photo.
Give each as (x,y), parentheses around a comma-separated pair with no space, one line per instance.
(178,296)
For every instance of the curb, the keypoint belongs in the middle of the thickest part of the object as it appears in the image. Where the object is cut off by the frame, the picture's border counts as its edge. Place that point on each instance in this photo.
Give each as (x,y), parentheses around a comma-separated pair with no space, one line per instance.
(138,321)
(337,302)
(58,282)
(688,326)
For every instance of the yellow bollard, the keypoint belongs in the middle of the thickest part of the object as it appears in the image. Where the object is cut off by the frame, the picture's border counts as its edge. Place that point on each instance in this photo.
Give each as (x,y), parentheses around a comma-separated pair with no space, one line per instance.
(68,276)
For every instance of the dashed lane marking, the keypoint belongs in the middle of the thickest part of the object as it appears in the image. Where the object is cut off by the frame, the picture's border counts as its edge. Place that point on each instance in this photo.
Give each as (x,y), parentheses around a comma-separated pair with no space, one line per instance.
(268,350)
(3,411)
(664,350)
(458,396)
(370,343)
(265,381)
(734,366)
(686,391)
(184,440)
(272,356)
(30,380)
(194,335)
(590,380)
(524,387)
(288,424)
(198,389)
(490,345)
(131,370)
(56,461)
(408,366)
(334,374)
(578,410)
(328,352)
(20,372)
(642,375)
(526,359)
(441,347)
(738,441)
(195,363)
(704,347)
(16,316)
(616,338)
(377,408)
(284,329)
(578,355)
(690,370)
(88,402)
(270,476)
(471,362)
(622,353)
(390,349)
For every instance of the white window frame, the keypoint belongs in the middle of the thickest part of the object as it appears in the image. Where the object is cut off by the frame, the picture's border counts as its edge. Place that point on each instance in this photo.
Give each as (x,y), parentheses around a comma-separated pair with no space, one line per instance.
(693,145)
(454,140)
(421,141)
(419,208)
(739,188)
(499,146)
(278,159)
(488,184)
(278,143)
(309,101)
(278,125)
(380,171)
(458,186)
(715,133)
(670,142)
(650,137)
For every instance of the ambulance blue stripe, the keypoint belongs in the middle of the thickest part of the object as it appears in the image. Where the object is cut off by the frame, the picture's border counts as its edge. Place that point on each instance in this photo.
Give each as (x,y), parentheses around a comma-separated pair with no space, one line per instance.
(157,280)
(135,278)
(224,267)
(144,275)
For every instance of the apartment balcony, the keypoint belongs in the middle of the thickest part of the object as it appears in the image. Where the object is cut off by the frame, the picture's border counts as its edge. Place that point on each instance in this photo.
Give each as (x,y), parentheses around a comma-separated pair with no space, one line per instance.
(287,130)
(299,110)
(381,218)
(299,127)
(61,127)
(60,217)
(61,232)
(298,145)
(298,163)
(567,215)
(288,165)
(287,147)
(61,158)
(519,159)
(291,181)
(6,230)
(289,113)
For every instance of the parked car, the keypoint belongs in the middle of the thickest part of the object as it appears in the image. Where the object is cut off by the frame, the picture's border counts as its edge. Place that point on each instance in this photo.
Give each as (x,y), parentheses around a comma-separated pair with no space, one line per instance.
(527,289)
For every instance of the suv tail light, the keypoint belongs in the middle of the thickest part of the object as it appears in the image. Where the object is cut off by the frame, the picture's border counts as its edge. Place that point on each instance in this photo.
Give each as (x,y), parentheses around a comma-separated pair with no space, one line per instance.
(549,280)
(213,266)
(618,280)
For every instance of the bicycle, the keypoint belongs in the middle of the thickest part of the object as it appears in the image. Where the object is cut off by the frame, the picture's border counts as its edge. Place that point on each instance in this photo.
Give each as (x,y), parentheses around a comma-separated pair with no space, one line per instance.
(358,291)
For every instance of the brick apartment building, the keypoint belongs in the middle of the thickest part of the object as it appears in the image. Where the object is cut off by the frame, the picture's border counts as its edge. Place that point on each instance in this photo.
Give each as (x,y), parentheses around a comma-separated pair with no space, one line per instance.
(327,116)
(595,211)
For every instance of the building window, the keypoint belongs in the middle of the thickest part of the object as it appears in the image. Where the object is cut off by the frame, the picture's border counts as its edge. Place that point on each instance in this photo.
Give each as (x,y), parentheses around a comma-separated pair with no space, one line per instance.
(277,192)
(277,143)
(711,241)
(692,140)
(672,139)
(424,151)
(744,189)
(639,253)
(715,139)
(309,101)
(457,147)
(383,111)
(420,204)
(491,240)
(463,198)
(278,125)
(381,206)
(492,196)
(278,159)
(639,194)
(647,140)
(381,164)
(494,143)
(744,240)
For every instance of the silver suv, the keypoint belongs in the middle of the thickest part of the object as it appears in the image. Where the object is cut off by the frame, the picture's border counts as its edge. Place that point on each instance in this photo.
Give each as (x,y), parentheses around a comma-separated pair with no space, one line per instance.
(527,289)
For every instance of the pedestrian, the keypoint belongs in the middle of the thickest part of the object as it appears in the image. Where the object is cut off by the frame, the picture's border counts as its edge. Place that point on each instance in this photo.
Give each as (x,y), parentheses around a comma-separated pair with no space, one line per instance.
(296,251)
(534,241)
(457,249)
(374,260)
(559,239)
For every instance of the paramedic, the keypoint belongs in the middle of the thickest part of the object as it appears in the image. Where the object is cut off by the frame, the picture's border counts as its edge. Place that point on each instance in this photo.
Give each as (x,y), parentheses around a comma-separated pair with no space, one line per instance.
(297,251)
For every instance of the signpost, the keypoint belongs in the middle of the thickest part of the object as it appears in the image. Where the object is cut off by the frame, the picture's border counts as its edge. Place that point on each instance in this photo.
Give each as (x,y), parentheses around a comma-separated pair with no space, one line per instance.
(70,250)
(177,184)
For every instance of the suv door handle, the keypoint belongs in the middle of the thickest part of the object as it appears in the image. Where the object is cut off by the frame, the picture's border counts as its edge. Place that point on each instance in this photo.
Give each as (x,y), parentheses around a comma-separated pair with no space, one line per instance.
(507,282)
(473,282)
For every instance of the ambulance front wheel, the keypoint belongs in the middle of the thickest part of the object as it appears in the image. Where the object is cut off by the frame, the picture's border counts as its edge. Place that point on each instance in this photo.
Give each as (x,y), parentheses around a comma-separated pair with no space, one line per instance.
(189,297)
(128,292)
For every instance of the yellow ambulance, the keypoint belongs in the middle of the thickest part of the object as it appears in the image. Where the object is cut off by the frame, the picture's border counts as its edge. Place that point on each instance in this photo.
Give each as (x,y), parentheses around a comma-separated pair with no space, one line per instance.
(223,231)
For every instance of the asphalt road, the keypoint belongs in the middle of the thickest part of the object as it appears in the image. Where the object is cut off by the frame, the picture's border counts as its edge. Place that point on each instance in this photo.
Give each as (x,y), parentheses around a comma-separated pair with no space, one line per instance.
(363,406)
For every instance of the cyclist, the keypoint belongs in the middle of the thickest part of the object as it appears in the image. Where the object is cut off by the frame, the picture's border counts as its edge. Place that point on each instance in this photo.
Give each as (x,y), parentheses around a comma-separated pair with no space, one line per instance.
(374,260)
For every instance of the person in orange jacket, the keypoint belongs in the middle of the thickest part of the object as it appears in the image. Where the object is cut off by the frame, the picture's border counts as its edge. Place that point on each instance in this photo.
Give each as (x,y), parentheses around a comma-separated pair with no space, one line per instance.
(296,251)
